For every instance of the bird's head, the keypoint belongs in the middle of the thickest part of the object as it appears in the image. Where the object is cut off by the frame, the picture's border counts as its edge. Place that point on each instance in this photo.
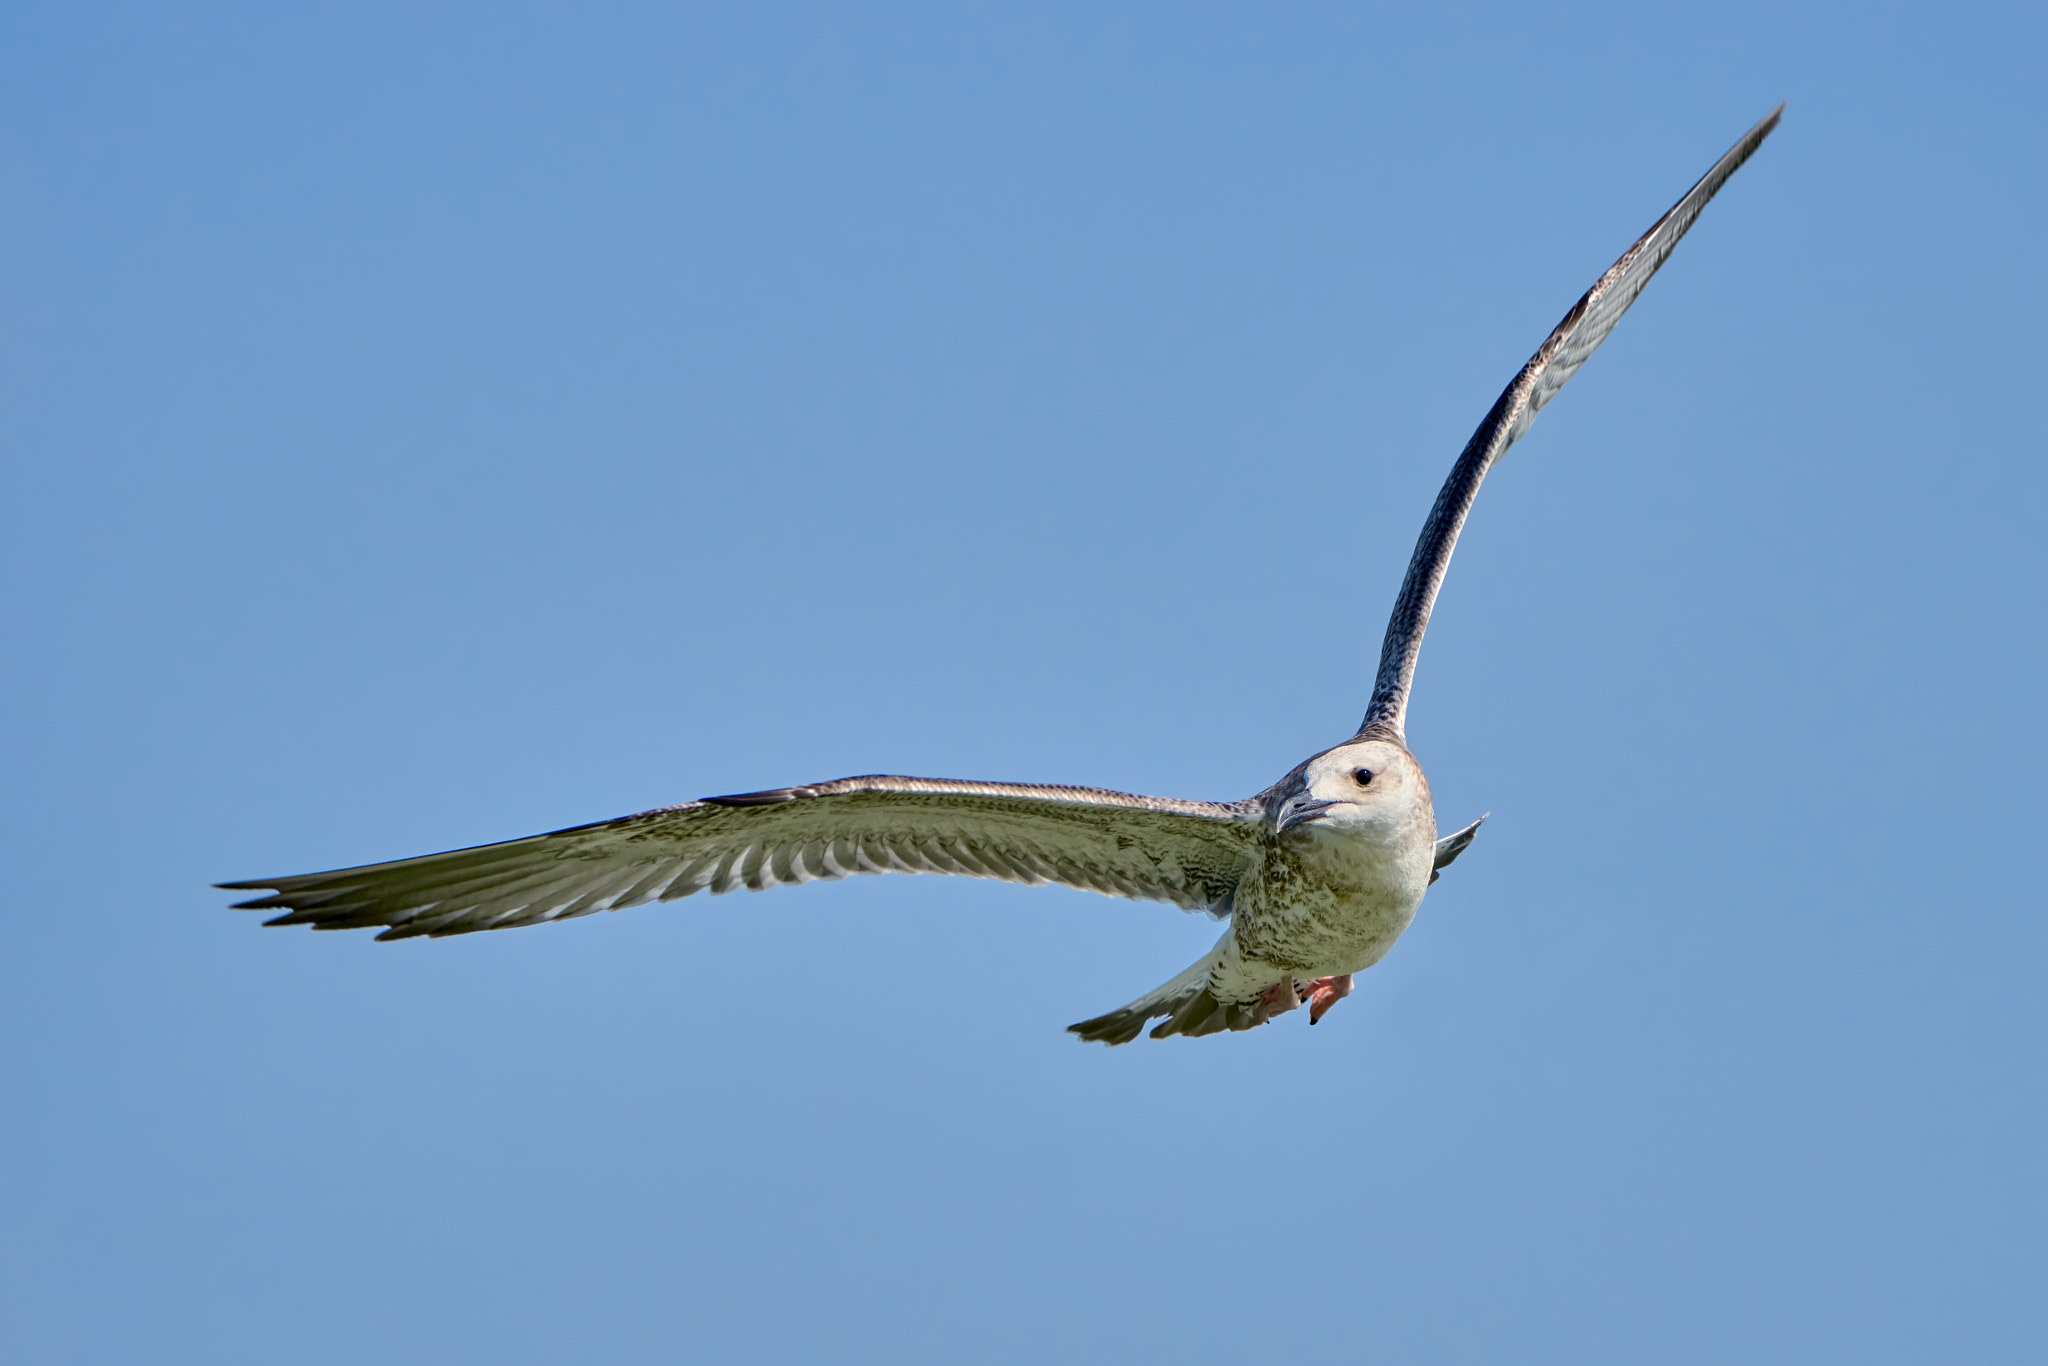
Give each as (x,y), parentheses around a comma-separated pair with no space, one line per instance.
(1369,787)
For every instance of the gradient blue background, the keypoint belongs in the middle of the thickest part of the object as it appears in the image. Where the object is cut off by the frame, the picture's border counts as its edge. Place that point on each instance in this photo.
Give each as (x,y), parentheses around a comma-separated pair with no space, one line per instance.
(426,426)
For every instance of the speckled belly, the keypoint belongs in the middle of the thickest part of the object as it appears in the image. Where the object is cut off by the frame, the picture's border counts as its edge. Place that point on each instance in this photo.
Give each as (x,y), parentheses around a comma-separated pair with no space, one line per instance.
(1318,908)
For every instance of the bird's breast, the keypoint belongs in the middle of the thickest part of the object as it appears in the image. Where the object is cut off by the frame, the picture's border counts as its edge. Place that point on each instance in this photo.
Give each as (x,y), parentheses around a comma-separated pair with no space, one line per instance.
(1324,903)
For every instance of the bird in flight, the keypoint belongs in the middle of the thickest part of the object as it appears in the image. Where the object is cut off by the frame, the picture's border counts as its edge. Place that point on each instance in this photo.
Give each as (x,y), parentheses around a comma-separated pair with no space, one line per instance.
(1316,877)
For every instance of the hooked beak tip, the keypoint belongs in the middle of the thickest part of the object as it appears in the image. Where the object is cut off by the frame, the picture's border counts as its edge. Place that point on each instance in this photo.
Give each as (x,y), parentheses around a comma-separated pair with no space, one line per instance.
(1298,811)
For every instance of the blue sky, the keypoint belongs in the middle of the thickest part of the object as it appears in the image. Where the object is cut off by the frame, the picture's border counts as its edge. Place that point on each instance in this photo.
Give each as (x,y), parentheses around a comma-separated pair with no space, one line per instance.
(426,425)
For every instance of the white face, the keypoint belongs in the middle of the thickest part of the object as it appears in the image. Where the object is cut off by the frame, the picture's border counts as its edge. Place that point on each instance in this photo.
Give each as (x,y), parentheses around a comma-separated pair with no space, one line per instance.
(1369,786)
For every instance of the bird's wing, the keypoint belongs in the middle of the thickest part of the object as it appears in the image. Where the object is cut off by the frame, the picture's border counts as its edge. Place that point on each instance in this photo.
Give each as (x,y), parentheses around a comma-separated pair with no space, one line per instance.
(1149,848)
(1450,846)
(1556,361)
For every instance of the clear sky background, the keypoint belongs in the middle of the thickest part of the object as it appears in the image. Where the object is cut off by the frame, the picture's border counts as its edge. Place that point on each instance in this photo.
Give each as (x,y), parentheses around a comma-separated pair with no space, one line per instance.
(427,425)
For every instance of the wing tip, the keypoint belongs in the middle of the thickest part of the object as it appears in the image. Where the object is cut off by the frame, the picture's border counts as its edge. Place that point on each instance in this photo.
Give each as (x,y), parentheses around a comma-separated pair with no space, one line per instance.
(1746,146)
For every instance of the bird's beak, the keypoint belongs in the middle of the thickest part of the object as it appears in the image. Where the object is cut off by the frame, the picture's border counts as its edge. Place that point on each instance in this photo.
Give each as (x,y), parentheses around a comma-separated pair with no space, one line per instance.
(1295,810)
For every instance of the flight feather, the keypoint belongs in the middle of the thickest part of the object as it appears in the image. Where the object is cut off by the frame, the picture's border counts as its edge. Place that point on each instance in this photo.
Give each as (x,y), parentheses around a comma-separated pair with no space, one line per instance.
(1186,853)
(1556,361)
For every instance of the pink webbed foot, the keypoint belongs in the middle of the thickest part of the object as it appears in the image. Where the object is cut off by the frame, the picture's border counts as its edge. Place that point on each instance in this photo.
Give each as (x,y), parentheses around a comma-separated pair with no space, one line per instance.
(1279,998)
(1323,993)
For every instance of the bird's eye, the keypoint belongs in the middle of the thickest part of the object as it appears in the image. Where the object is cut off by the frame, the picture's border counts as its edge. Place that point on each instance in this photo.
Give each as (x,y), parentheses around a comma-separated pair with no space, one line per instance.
(1362,776)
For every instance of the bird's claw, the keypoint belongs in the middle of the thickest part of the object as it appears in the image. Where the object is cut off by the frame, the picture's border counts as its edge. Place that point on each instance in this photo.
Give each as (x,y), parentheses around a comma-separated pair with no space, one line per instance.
(1279,998)
(1322,993)
(1318,996)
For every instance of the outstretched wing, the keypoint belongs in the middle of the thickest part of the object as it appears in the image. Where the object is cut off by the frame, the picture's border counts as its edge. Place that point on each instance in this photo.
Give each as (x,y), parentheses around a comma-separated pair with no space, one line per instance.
(1556,361)
(1150,848)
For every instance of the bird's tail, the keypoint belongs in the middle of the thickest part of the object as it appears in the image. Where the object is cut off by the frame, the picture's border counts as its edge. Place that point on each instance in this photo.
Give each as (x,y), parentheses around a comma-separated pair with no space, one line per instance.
(1190,1007)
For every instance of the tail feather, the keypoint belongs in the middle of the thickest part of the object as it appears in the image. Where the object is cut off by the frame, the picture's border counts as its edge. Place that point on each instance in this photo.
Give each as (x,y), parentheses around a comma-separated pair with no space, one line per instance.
(1190,1008)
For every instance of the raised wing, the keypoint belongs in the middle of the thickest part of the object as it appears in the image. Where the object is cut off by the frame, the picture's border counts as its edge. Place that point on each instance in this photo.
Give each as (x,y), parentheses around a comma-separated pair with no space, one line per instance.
(1149,848)
(1556,361)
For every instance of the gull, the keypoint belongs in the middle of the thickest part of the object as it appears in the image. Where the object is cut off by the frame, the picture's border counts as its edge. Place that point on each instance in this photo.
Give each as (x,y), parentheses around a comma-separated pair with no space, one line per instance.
(1316,877)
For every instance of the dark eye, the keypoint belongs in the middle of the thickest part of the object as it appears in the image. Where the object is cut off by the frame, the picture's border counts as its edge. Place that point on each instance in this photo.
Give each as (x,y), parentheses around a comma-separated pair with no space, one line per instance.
(1362,776)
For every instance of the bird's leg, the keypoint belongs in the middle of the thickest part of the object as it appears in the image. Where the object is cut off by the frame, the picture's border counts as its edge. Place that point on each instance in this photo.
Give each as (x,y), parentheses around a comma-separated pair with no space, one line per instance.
(1279,998)
(1323,993)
